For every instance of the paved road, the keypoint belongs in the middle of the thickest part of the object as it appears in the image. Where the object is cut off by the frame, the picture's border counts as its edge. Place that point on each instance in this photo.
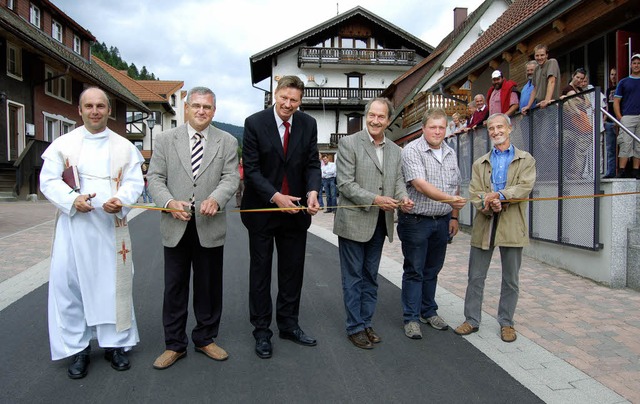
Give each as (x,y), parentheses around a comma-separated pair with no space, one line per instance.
(442,367)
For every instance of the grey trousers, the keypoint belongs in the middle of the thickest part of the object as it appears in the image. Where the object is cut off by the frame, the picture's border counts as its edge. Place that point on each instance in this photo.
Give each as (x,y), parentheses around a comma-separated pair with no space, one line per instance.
(479,261)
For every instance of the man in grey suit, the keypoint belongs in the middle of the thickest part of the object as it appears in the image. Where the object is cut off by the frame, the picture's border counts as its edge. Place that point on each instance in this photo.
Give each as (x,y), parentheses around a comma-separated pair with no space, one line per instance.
(193,171)
(371,187)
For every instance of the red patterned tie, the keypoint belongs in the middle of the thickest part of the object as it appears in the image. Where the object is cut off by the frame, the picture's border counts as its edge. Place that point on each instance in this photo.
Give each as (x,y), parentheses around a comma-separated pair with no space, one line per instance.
(285,144)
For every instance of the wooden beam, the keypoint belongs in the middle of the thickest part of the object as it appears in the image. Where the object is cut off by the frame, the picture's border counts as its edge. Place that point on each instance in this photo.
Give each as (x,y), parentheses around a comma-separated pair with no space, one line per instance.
(507,56)
(472,77)
(454,89)
(558,25)
(522,48)
(494,64)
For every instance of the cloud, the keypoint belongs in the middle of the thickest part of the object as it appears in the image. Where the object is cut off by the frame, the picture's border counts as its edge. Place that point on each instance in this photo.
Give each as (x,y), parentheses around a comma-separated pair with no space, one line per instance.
(210,42)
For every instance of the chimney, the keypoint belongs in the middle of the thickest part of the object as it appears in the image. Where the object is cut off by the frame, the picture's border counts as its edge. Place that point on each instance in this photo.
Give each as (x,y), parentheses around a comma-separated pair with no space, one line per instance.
(459,16)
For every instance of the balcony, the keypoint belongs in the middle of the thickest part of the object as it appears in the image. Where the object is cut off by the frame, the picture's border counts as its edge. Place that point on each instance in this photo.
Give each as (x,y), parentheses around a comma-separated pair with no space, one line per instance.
(335,138)
(414,111)
(334,96)
(352,56)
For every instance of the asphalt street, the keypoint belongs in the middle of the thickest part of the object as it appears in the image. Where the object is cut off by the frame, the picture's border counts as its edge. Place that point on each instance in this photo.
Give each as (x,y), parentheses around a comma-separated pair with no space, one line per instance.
(442,367)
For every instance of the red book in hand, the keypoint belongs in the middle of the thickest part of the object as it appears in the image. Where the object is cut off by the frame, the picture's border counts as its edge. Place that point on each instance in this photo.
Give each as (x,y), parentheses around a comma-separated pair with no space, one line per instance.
(71,178)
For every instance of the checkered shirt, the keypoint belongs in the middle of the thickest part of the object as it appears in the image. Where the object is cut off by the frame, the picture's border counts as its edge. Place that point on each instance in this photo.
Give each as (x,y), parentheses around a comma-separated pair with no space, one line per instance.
(418,161)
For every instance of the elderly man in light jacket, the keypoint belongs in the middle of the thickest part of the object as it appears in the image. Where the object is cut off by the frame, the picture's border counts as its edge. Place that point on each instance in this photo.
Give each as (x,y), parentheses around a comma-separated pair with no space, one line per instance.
(503,174)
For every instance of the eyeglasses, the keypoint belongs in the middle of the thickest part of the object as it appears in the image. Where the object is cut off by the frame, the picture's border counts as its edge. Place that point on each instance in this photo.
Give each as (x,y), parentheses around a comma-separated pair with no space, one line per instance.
(198,106)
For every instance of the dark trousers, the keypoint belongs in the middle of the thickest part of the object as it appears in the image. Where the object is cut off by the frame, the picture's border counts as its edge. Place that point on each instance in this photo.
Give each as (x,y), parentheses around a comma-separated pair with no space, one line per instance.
(207,291)
(424,246)
(290,242)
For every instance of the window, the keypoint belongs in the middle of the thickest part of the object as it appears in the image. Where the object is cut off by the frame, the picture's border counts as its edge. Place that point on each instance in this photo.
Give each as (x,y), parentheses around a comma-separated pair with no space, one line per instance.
(157,115)
(34,15)
(77,44)
(174,123)
(56,31)
(10,4)
(56,126)
(354,122)
(57,85)
(173,100)
(14,61)
(354,84)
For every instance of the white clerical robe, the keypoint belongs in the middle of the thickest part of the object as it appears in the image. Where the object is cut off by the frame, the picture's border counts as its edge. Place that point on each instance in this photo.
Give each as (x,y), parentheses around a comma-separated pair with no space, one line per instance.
(82,280)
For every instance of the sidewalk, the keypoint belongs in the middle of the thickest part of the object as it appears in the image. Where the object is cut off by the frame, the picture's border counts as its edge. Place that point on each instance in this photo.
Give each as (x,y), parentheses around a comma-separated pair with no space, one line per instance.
(591,327)
(573,333)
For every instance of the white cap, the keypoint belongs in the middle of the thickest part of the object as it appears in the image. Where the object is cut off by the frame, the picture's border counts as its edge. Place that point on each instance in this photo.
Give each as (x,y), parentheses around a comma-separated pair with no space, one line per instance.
(636,56)
(496,74)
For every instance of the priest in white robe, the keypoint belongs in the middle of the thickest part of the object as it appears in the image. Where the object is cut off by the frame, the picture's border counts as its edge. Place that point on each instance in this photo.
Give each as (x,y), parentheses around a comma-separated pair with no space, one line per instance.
(91,274)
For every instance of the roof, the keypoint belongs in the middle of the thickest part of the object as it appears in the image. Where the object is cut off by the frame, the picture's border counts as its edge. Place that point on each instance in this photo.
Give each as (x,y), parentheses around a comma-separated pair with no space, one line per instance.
(163,88)
(48,46)
(148,91)
(261,62)
(521,18)
(427,66)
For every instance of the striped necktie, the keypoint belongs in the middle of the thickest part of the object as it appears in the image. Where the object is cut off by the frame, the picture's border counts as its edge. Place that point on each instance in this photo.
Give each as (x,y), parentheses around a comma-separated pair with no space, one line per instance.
(196,159)
(196,155)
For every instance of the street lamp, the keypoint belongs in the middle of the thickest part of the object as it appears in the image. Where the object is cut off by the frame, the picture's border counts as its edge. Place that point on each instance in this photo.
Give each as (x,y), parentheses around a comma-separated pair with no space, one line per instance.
(151,122)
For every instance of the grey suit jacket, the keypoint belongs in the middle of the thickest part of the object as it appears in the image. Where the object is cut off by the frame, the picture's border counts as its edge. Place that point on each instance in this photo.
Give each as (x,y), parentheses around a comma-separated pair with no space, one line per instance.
(170,177)
(360,179)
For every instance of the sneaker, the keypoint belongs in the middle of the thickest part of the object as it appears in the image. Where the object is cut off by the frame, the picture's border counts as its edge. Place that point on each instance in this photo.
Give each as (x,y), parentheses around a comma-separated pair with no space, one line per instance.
(465,329)
(436,322)
(508,333)
(412,330)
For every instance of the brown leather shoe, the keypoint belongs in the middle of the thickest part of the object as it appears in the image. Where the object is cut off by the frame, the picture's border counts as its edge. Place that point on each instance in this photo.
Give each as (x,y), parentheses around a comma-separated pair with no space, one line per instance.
(360,340)
(372,335)
(214,352)
(168,358)
(465,329)
(508,333)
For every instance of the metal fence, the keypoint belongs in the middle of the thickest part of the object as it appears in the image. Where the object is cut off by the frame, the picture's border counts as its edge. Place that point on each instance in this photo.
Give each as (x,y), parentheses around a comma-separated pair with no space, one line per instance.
(564,138)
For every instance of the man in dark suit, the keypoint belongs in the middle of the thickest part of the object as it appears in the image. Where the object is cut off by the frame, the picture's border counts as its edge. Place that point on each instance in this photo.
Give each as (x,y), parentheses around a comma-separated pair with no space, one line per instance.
(194,171)
(281,170)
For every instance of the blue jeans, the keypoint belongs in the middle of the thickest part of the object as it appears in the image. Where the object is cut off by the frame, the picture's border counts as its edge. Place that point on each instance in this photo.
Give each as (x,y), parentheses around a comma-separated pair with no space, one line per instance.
(329,185)
(146,196)
(610,147)
(359,264)
(424,246)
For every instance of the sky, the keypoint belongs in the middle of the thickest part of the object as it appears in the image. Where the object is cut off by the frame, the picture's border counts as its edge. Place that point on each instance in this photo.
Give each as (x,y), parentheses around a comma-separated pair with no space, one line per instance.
(209,42)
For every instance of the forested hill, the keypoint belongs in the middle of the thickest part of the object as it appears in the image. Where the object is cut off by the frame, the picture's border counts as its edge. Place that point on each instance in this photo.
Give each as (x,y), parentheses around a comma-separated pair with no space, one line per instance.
(236,131)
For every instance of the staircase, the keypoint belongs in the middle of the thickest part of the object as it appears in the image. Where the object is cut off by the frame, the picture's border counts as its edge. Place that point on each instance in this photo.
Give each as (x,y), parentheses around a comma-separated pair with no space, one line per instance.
(7,184)
(633,248)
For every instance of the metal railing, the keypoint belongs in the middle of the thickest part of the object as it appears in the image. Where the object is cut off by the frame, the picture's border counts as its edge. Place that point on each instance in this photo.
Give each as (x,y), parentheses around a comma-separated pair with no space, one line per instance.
(29,164)
(564,138)
(320,56)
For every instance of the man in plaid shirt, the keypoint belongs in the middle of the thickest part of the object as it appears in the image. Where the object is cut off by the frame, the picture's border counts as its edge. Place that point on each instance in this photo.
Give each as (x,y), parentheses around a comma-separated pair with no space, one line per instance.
(431,174)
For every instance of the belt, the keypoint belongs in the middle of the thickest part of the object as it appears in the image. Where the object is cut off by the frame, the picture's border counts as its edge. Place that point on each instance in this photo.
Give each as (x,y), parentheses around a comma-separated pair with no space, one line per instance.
(433,217)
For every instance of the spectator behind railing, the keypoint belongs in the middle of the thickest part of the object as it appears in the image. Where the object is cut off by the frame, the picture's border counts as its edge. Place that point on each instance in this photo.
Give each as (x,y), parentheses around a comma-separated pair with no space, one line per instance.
(610,128)
(626,105)
(479,115)
(502,95)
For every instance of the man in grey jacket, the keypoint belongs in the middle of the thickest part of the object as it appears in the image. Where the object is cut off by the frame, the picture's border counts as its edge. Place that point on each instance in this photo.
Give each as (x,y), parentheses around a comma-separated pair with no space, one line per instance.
(371,187)
(194,172)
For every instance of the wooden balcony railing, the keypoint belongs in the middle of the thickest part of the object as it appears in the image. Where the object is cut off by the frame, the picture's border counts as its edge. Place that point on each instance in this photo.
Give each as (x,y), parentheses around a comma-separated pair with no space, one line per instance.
(334,95)
(385,57)
(335,138)
(413,112)
(341,93)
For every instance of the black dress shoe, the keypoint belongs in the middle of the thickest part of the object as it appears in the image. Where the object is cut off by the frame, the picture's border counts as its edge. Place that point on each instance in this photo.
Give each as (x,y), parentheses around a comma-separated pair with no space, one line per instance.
(299,337)
(80,365)
(118,358)
(263,348)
